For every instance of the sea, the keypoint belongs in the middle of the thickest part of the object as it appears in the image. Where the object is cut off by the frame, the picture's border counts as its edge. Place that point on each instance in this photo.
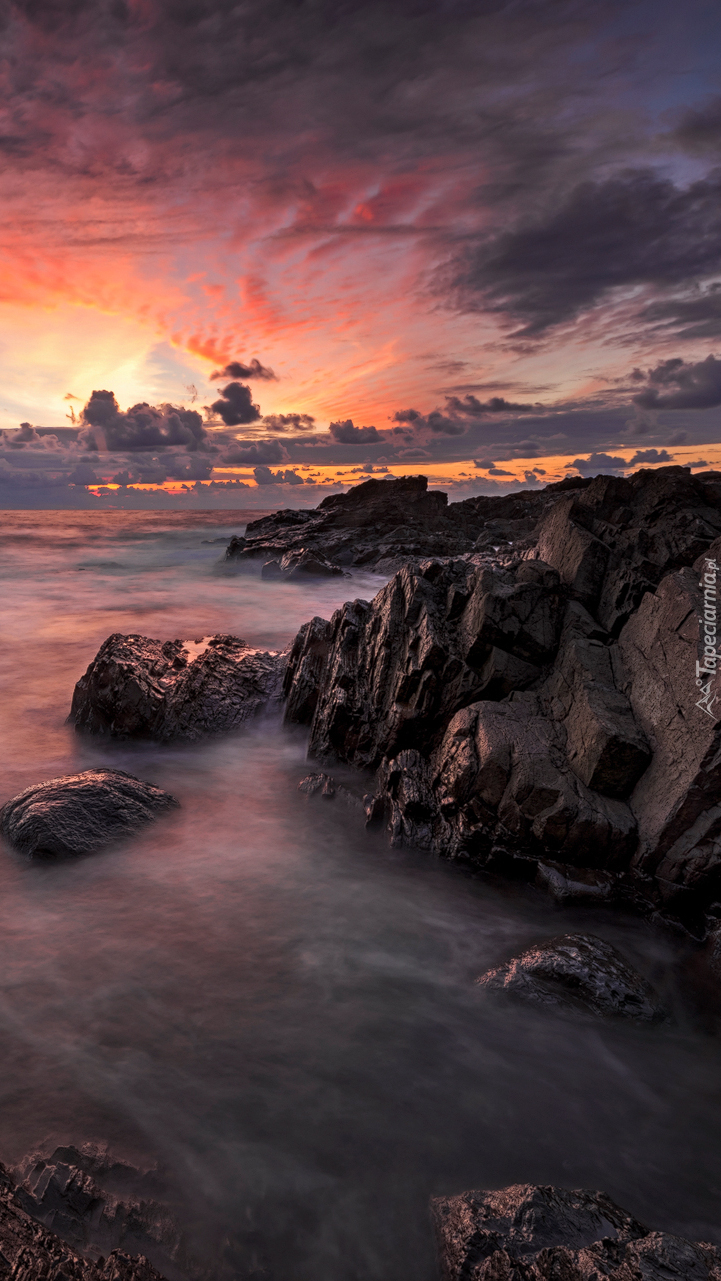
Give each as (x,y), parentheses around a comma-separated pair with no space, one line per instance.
(268,1003)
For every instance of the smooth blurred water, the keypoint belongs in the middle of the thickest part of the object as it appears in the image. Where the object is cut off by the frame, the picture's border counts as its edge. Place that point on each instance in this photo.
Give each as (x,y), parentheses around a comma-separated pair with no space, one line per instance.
(269,1001)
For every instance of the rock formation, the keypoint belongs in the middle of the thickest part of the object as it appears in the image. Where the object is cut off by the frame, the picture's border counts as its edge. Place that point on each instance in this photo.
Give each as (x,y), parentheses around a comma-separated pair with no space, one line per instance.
(577,971)
(136,687)
(29,1252)
(545,714)
(98,1204)
(527,1233)
(80,813)
(381,524)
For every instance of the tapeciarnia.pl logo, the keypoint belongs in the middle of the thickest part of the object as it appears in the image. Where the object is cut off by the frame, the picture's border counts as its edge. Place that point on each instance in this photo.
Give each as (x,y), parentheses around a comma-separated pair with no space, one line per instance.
(707,666)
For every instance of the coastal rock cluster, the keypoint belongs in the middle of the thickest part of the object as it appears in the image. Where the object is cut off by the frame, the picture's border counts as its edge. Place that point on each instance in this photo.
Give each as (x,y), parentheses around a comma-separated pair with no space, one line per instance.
(30,1252)
(543,715)
(381,524)
(527,1233)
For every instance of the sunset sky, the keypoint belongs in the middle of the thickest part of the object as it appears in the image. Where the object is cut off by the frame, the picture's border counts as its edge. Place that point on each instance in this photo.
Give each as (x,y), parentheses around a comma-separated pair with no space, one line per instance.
(323,239)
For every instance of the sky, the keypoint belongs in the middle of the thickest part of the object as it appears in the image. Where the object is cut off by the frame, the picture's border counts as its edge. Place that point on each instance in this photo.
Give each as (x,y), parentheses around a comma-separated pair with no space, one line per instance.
(255,252)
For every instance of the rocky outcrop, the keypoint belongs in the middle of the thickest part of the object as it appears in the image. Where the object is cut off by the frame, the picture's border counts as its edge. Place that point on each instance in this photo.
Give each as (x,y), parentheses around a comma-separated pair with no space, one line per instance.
(98,1204)
(300,565)
(137,687)
(381,524)
(546,714)
(527,1233)
(80,813)
(29,1252)
(577,972)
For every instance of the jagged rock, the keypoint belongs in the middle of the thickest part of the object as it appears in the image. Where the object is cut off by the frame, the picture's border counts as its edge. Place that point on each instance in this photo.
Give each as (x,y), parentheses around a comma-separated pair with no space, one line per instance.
(80,813)
(435,638)
(29,1252)
(604,745)
(576,971)
(616,539)
(380,524)
(98,1204)
(326,786)
(676,800)
(298,565)
(527,1233)
(136,687)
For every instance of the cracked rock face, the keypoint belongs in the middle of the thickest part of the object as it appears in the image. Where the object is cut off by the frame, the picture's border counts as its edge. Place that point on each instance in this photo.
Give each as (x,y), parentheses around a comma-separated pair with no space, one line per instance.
(137,687)
(30,1252)
(81,813)
(383,523)
(527,1233)
(543,712)
(577,972)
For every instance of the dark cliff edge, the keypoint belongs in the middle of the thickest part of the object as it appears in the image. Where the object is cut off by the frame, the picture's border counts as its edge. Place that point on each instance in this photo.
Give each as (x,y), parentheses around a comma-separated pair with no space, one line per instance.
(539,706)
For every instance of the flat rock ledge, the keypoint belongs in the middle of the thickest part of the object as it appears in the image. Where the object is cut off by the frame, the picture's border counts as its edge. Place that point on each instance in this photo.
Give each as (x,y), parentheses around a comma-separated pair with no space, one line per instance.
(30,1252)
(530,1233)
(137,687)
(81,813)
(577,972)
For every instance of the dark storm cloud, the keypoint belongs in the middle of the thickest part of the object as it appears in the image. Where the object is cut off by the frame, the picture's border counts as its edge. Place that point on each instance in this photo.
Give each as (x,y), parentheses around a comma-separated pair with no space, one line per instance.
(674,384)
(106,427)
(346,433)
(236,406)
(253,451)
(695,314)
(650,456)
(476,408)
(289,422)
(699,129)
(264,476)
(438,423)
(632,229)
(236,369)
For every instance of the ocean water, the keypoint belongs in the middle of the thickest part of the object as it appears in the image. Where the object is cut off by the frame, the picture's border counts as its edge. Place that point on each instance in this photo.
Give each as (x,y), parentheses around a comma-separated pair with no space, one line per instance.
(267,1001)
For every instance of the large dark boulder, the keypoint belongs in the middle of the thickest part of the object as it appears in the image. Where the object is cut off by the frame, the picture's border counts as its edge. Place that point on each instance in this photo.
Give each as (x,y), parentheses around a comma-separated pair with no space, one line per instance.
(576,972)
(527,1233)
(30,1252)
(80,813)
(137,687)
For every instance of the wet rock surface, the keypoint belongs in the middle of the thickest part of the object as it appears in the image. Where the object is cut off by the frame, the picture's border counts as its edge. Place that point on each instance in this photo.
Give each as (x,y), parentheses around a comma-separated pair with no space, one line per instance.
(577,972)
(81,813)
(137,687)
(544,710)
(531,1233)
(30,1252)
(98,1204)
(383,523)
(295,566)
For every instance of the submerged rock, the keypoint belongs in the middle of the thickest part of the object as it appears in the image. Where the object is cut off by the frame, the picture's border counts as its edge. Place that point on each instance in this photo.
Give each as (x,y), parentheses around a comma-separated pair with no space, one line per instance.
(30,1252)
(302,564)
(527,1233)
(137,687)
(80,813)
(577,971)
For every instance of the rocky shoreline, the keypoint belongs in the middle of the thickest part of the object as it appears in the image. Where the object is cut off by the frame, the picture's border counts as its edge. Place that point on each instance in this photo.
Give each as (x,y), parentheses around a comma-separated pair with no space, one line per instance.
(531,694)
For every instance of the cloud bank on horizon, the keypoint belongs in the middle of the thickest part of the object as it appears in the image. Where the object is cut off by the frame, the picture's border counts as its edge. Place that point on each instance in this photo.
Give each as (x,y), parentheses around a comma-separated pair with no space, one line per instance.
(343,234)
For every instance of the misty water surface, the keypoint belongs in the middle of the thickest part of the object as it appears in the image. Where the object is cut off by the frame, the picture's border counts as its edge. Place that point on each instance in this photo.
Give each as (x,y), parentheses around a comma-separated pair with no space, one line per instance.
(270,1002)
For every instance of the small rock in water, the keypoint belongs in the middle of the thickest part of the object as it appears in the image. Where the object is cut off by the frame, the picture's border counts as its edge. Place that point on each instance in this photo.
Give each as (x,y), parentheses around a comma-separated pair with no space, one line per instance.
(577,971)
(568,884)
(315,783)
(527,1233)
(80,813)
